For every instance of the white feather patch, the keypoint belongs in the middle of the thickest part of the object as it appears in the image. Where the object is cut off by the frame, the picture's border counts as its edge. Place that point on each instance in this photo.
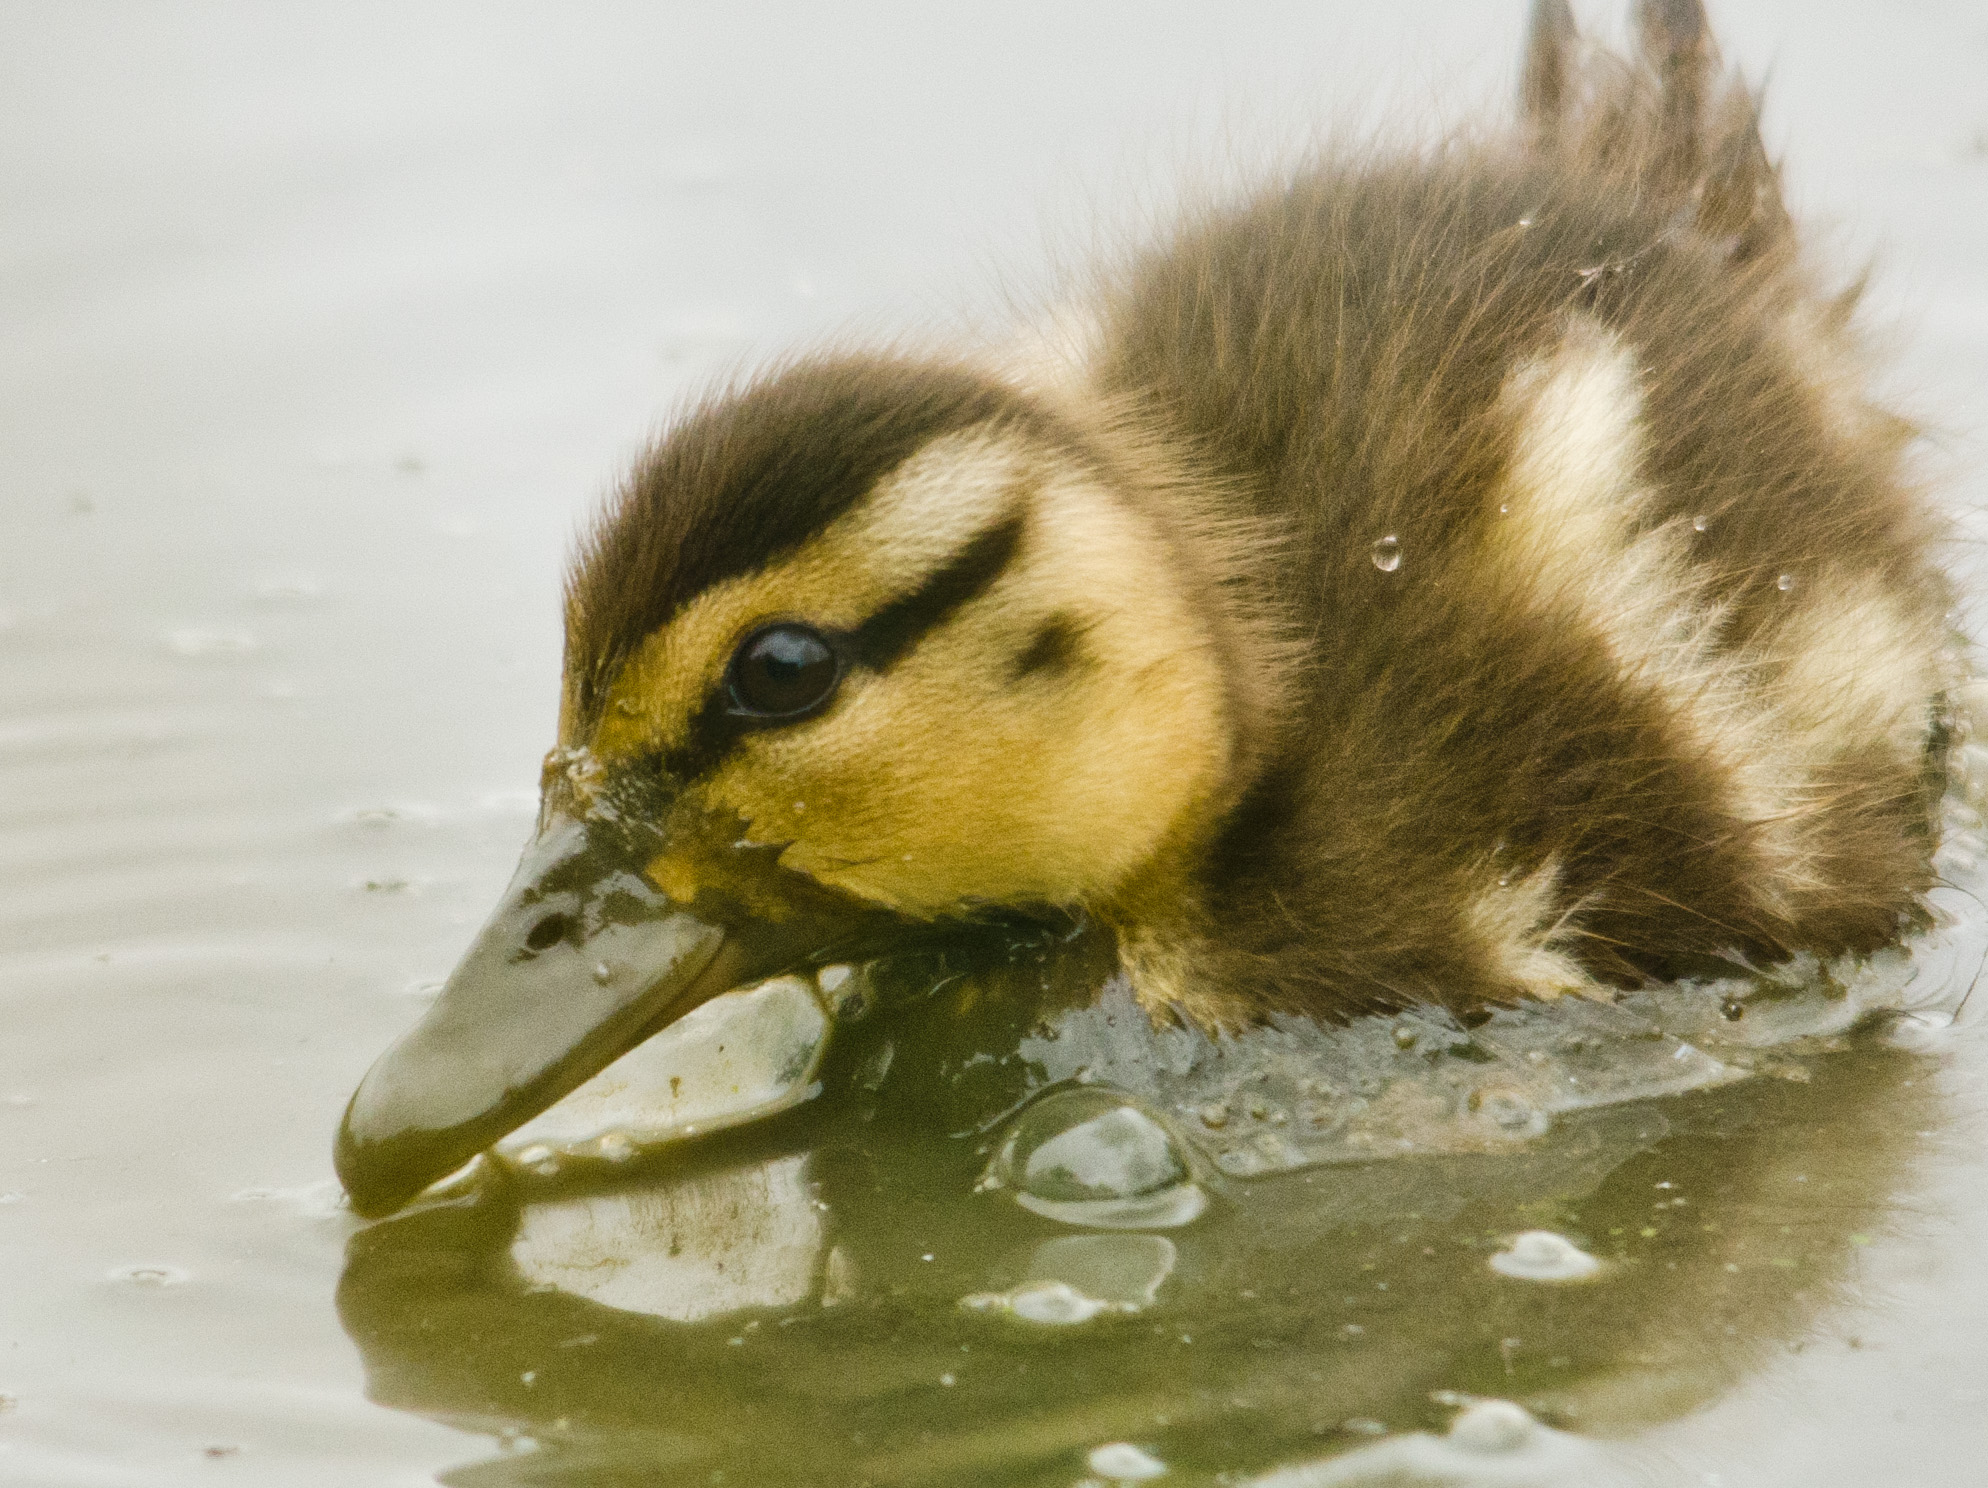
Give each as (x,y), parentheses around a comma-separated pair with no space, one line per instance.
(1517,925)
(1848,668)
(935,503)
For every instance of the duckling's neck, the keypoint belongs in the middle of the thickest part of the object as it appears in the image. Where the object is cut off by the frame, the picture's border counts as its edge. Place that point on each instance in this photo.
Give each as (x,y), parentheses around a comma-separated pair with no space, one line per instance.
(1201,564)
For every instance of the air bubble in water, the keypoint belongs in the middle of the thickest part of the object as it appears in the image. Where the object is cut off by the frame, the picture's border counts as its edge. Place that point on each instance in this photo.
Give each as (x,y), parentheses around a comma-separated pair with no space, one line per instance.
(1050,1304)
(1121,1462)
(1699,524)
(1081,1277)
(1091,1157)
(1785,583)
(1387,553)
(1492,1426)
(1125,1271)
(149,1276)
(1541,1255)
(1054,1303)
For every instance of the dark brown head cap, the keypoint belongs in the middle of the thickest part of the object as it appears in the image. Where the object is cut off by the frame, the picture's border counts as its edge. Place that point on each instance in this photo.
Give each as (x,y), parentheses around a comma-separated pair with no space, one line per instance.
(750,475)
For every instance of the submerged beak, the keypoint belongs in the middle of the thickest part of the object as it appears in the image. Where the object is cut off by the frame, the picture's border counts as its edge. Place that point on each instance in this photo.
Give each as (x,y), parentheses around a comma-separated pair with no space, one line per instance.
(582,960)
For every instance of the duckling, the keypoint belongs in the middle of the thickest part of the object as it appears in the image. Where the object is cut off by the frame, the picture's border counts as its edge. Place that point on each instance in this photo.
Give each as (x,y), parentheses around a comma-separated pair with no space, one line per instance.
(1450,578)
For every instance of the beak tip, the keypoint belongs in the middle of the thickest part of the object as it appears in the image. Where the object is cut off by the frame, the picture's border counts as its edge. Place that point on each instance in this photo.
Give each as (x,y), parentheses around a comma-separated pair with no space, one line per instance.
(524,1019)
(368,1197)
(379,1176)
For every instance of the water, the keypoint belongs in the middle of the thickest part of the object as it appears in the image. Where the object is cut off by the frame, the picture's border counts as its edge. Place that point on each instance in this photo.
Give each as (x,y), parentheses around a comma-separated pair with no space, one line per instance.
(828,1301)
(325,331)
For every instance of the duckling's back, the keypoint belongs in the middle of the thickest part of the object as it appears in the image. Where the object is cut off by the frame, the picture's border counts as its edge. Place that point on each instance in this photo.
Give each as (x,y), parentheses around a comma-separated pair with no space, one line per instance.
(1615,645)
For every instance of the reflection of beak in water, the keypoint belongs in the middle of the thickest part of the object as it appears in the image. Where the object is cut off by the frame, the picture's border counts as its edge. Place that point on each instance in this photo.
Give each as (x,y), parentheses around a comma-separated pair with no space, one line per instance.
(703,1247)
(783,1302)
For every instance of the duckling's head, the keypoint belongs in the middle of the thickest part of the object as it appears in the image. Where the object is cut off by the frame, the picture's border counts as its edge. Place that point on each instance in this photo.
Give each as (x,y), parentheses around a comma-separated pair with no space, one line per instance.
(867,648)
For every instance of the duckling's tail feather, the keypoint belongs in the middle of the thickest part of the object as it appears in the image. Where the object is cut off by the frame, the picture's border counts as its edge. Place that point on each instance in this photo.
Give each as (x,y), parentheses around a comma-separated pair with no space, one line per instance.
(1543,84)
(1666,123)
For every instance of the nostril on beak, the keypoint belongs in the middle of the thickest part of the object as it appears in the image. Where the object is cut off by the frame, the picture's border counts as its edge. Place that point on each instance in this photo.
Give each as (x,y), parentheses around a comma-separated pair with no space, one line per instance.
(548,931)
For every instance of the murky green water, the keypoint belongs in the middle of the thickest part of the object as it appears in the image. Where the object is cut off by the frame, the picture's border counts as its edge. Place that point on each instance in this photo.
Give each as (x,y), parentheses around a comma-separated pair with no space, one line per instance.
(322,328)
(841,1295)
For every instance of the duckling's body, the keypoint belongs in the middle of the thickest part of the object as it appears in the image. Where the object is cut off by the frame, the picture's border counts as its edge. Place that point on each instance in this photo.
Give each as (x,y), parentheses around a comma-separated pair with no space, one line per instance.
(1619,629)
(1445,579)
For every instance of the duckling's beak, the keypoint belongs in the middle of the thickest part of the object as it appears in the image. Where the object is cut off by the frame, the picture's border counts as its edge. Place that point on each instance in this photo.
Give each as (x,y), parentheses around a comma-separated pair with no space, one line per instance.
(581,961)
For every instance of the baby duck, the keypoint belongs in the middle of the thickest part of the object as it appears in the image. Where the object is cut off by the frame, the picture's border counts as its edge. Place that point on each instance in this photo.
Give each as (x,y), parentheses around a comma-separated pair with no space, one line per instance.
(1445,579)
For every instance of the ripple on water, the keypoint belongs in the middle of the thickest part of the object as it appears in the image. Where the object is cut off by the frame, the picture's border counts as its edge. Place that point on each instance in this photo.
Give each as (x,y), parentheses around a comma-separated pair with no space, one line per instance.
(396,814)
(208,641)
(287,589)
(321,1200)
(1292,1094)
(1920,1033)
(67,739)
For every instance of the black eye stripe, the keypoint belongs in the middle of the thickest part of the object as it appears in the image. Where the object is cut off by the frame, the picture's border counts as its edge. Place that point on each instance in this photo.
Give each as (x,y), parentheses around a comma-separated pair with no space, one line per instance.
(876,645)
(904,622)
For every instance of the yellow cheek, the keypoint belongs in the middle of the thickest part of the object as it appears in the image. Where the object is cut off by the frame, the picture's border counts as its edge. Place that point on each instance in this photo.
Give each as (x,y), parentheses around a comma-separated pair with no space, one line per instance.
(930,798)
(672,873)
(701,856)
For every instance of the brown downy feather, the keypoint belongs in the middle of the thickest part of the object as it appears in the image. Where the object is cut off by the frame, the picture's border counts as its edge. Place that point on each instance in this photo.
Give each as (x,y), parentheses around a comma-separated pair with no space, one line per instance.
(1480,788)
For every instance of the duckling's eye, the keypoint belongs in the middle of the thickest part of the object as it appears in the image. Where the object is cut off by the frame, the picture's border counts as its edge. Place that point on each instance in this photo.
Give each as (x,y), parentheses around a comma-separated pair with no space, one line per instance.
(783,671)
